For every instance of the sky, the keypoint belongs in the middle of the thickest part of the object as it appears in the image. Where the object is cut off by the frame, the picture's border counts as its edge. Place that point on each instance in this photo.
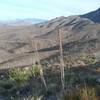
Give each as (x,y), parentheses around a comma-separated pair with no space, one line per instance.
(45,9)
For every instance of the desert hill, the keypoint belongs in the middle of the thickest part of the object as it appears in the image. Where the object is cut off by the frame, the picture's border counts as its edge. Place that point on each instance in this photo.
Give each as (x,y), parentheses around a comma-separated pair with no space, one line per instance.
(79,34)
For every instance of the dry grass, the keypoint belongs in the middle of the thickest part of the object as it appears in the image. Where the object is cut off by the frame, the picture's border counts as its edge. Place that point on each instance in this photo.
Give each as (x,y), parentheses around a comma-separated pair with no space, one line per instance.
(83,93)
(88,94)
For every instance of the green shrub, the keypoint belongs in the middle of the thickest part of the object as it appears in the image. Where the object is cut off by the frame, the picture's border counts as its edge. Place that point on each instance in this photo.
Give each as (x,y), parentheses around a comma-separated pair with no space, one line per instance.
(35,70)
(87,58)
(20,76)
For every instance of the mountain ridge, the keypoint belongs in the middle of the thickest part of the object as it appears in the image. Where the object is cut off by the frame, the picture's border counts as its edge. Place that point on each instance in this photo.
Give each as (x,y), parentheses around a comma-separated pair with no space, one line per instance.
(79,34)
(17,22)
(94,16)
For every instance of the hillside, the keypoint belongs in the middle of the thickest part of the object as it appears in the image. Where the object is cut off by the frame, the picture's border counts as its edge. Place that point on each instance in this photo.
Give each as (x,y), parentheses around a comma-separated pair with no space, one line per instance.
(79,34)
(94,16)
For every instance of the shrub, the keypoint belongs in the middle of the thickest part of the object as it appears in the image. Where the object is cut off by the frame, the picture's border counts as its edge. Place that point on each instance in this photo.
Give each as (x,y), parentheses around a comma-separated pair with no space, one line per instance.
(88,94)
(7,87)
(20,76)
(91,80)
(71,96)
(35,70)
(87,58)
(81,94)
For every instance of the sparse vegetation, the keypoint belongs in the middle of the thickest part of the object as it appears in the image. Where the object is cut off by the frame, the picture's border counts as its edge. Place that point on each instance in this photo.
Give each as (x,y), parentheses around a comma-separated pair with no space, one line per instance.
(20,76)
(82,94)
(22,83)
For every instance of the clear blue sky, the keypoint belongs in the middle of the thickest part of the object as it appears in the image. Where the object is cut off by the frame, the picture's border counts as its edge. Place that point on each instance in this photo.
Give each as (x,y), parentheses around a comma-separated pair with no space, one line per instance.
(45,9)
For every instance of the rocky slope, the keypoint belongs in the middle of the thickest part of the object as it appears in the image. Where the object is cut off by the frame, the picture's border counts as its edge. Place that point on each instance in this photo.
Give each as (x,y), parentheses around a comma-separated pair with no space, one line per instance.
(79,34)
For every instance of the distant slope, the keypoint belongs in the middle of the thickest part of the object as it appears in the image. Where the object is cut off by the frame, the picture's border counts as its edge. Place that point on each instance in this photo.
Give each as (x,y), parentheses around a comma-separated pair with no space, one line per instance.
(19,22)
(94,16)
(79,34)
